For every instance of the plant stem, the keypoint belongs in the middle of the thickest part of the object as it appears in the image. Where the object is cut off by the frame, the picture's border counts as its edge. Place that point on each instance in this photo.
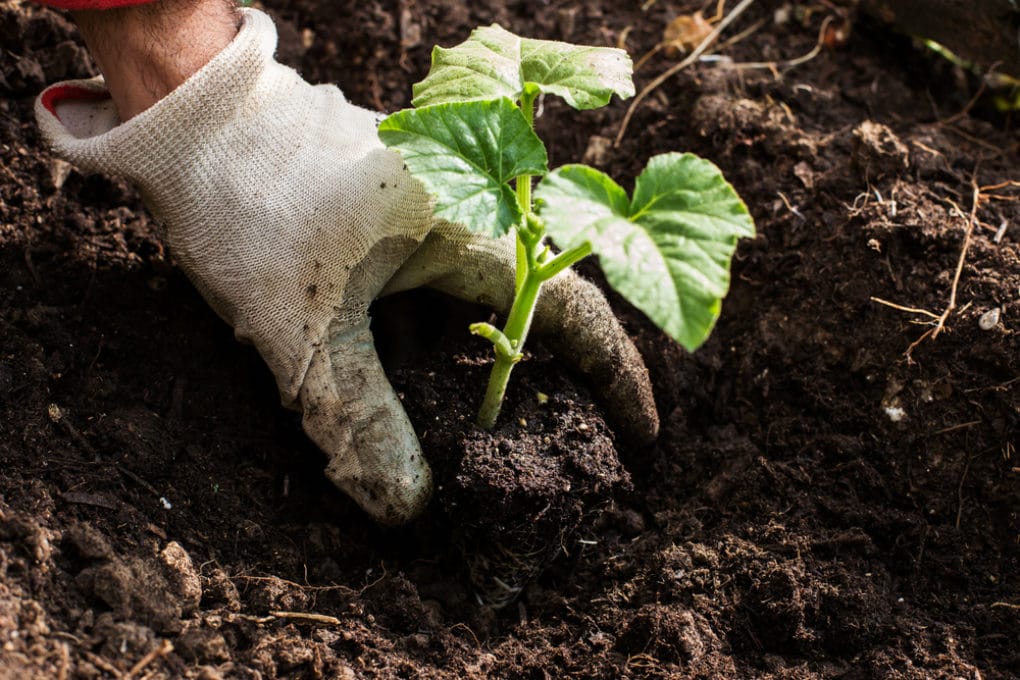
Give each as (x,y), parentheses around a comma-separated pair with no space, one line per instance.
(564,260)
(509,343)
(494,392)
(522,185)
(524,192)
(531,273)
(516,332)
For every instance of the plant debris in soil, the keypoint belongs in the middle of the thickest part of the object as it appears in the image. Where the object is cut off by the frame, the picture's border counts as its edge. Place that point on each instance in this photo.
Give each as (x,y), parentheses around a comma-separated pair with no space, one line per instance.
(834,493)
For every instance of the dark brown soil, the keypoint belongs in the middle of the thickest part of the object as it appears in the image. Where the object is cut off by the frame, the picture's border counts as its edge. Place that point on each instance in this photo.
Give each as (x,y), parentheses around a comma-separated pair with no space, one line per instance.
(829,498)
(512,499)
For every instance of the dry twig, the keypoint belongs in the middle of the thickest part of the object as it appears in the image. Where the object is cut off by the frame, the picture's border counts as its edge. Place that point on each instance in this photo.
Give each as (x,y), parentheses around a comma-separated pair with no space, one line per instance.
(103,665)
(939,320)
(673,70)
(797,61)
(960,426)
(164,648)
(642,662)
(959,493)
(308,617)
(912,310)
(1007,605)
(308,587)
(975,202)
(293,584)
(959,115)
(65,662)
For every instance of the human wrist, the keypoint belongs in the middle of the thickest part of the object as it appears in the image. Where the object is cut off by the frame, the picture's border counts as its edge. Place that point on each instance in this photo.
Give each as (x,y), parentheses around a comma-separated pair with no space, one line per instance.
(146,51)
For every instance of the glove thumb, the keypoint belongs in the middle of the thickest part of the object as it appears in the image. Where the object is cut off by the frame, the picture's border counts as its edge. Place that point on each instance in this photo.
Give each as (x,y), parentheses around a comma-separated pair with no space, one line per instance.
(352,413)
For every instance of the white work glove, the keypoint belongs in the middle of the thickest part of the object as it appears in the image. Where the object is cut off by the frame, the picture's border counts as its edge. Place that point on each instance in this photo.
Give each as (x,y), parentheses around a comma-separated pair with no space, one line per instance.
(290,217)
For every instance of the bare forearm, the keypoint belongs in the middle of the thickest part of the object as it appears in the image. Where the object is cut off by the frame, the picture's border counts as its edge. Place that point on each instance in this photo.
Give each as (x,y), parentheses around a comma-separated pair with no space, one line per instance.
(145,51)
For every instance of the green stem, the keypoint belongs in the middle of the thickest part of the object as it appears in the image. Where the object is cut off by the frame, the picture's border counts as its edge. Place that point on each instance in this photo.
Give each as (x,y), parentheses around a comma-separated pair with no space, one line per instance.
(528,104)
(500,343)
(515,333)
(564,260)
(522,265)
(509,343)
(494,392)
(522,186)
(533,271)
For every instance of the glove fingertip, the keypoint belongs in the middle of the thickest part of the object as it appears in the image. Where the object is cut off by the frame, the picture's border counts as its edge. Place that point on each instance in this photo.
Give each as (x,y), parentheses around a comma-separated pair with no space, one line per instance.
(578,324)
(355,417)
(391,499)
(629,397)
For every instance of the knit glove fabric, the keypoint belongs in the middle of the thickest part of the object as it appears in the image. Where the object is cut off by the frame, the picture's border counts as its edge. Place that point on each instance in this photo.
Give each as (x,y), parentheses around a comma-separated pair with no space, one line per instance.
(289,216)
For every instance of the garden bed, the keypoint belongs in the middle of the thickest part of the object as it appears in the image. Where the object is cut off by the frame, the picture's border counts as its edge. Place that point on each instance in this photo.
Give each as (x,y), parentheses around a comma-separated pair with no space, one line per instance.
(828,498)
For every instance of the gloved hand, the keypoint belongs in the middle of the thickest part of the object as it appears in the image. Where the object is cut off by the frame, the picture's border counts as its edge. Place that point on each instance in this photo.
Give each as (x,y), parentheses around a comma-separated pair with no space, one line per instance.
(290,217)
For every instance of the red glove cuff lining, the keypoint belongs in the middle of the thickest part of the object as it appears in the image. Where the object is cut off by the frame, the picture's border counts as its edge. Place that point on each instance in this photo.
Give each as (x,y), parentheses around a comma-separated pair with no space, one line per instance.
(58,93)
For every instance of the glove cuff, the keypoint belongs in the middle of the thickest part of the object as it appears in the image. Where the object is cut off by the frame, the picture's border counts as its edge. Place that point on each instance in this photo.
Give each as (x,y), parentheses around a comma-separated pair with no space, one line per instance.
(80,122)
(276,197)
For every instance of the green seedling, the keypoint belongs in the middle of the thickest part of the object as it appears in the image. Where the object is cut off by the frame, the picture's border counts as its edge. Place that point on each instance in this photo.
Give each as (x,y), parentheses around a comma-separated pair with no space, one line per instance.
(470,140)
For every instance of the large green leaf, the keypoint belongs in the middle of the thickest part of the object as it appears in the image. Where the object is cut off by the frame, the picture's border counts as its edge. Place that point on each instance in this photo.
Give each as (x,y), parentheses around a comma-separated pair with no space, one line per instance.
(493,63)
(668,250)
(465,154)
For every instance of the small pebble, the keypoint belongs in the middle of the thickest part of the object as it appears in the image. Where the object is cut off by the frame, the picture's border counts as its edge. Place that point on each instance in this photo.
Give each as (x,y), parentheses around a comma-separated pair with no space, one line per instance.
(989,319)
(895,413)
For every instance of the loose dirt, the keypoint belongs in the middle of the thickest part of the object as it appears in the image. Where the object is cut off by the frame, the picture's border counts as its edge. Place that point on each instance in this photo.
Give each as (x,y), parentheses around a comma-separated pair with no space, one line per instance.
(832,496)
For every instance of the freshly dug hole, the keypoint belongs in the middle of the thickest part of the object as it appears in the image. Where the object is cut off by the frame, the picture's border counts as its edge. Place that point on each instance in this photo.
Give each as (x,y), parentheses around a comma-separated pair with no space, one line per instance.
(513,498)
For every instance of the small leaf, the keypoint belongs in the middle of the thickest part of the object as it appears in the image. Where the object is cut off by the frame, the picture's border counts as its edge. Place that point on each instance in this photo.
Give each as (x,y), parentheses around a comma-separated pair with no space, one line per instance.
(465,154)
(493,63)
(668,250)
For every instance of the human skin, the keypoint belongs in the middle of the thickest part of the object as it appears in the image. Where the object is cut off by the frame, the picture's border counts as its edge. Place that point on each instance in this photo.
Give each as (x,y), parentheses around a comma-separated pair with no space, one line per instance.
(145,51)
